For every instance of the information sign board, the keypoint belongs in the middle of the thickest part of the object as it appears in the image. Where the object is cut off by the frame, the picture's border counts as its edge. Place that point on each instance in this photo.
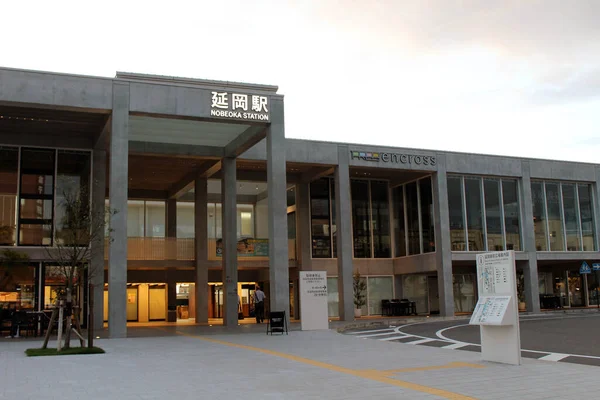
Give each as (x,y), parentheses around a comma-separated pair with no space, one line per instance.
(596,266)
(585,268)
(313,300)
(496,311)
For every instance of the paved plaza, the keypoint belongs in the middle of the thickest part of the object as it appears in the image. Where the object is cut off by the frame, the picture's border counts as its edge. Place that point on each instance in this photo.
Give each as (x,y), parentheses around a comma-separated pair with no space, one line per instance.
(303,365)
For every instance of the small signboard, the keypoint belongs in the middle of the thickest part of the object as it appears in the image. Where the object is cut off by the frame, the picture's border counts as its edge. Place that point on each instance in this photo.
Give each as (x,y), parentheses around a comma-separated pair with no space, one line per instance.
(596,266)
(491,311)
(585,268)
(277,323)
(313,300)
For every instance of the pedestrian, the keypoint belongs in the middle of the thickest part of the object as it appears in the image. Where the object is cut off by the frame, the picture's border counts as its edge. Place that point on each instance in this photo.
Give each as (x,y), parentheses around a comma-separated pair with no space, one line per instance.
(259,305)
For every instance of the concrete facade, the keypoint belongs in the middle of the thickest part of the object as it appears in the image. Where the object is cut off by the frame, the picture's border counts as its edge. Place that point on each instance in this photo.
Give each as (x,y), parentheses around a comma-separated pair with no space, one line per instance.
(175,119)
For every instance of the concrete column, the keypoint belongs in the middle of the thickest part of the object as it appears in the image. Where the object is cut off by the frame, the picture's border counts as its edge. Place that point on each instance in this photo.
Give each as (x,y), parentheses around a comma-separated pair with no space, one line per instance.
(201,234)
(345,248)
(530,269)
(277,202)
(304,234)
(229,224)
(443,251)
(96,271)
(171,218)
(171,296)
(296,299)
(117,268)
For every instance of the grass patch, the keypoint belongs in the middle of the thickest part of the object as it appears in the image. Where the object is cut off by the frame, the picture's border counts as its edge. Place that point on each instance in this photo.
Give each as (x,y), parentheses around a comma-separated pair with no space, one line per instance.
(67,352)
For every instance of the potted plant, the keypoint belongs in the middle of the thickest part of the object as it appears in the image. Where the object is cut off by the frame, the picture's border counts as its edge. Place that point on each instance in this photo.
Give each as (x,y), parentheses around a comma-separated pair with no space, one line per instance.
(360,286)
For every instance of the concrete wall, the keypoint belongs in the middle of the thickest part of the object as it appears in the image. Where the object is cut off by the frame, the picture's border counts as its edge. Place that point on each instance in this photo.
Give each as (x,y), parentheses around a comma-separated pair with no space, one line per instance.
(261,210)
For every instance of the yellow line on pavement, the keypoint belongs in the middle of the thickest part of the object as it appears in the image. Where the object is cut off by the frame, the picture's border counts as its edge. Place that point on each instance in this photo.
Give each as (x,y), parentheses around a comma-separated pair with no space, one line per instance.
(367,374)
(433,367)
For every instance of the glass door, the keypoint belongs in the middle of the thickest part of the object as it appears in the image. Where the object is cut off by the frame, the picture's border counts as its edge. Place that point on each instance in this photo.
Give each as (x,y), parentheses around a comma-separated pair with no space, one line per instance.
(575,289)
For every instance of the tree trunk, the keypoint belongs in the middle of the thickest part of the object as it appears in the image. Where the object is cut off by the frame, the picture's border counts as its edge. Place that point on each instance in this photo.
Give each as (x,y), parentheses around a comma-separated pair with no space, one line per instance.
(50,325)
(60,328)
(69,313)
(91,315)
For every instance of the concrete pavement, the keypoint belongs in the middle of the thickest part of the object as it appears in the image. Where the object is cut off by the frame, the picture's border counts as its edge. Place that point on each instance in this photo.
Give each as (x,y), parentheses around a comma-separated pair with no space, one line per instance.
(303,365)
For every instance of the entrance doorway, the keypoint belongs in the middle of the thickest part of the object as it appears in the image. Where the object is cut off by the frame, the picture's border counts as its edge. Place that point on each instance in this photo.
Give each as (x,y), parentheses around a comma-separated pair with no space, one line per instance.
(246,298)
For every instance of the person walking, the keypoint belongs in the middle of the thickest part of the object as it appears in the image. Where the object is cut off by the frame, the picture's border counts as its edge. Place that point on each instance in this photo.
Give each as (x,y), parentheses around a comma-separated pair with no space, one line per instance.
(259,305)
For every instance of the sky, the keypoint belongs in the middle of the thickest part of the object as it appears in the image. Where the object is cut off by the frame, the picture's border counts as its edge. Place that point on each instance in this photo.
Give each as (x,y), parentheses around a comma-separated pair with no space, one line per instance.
(506,77)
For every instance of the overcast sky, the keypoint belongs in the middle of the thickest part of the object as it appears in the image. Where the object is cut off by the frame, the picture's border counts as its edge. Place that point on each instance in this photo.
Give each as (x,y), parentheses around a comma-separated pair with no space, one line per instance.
(510,77)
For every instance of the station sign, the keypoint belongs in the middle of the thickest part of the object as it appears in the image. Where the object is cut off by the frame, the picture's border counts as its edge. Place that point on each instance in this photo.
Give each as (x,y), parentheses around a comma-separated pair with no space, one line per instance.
(394,158)
(240,106)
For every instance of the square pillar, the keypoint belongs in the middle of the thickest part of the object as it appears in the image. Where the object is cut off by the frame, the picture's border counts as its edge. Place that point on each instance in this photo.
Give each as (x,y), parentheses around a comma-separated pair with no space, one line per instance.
(279,296)
(171,218)
(201,248)
(96,270)
(596,208)
(229,224)
(443,250)
(345,248)
(117,267)
(530,269)
(304,234)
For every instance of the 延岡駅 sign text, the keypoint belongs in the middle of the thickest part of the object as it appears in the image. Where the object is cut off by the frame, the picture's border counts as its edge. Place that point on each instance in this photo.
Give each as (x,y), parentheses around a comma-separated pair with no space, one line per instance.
(247,107)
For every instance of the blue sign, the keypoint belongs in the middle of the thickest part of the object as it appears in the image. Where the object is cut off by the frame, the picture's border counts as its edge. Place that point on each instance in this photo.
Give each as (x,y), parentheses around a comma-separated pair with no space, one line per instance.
(596,266)
(585,268)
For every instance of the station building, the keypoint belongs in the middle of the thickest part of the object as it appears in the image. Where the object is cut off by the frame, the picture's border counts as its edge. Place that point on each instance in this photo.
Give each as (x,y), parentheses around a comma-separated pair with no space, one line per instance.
(211,200)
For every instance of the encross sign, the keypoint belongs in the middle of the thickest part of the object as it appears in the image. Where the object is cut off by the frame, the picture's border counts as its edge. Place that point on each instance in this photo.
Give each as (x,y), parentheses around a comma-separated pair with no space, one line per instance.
(393,158)
(249,107)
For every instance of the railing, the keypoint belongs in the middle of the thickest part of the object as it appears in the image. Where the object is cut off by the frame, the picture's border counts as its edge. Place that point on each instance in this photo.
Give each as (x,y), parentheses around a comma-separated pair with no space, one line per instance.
(160,248)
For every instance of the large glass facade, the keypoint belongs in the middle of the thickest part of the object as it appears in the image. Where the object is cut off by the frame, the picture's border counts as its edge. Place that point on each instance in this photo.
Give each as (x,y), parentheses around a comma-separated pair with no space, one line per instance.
(570,219)
(361,224)
(185,220)
(380,210)
(18,287)
(399,225)
(486,211)
(320,217)
(9,178)
(456,211)
(414,228)
(378,288)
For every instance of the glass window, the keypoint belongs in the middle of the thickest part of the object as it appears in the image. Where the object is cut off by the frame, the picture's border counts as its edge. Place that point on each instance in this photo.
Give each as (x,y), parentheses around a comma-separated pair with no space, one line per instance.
(17,287)
(412,219)
(457,218)
(360,218)
(245,221)
(72,190)
(135,218)
(512,214)
(9,170)
(211,223)
(36,197)
(474,214)
(539,216)
(414,288)
(155,218)
(333,297)
(427,221)
(185,220)
(399,226)
(555,221)
(291,221)
(379,288)
(587,217)
(291,196)
(465,296)
(380,214)
(570,206)
(319,215)
(333,226)
(493,217)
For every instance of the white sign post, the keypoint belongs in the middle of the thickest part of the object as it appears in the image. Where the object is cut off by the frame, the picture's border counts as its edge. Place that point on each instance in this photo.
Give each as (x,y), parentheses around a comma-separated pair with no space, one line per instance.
(313,300)
(497,312)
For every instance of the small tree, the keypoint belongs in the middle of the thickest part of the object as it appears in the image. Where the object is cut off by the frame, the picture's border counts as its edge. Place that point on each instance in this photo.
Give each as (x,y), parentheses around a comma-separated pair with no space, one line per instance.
(78,231)
(360,286)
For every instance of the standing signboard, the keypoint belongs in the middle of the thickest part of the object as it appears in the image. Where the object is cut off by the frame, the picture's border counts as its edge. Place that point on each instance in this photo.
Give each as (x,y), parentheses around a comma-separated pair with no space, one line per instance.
(496,311)
(313,300)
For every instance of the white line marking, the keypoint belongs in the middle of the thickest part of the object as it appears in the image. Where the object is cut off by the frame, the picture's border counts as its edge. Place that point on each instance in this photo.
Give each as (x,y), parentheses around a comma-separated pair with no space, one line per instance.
(554,357)
(456,345)
(421,341)
(377,334)
(371,331)
(396,337)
